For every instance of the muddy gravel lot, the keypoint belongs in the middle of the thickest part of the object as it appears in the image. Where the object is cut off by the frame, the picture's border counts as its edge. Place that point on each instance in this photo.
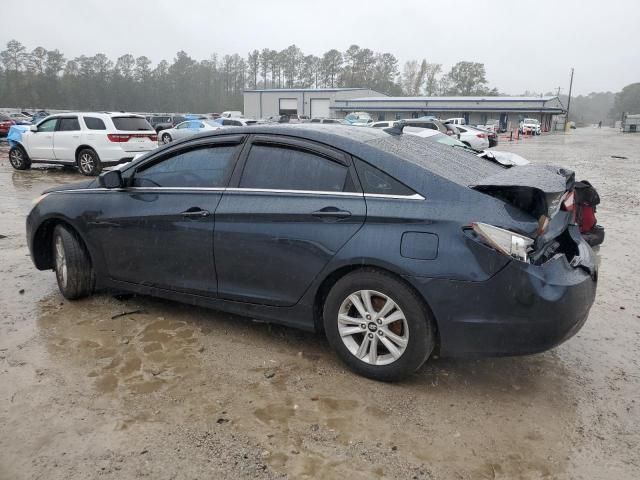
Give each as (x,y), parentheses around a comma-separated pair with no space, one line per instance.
(145,388)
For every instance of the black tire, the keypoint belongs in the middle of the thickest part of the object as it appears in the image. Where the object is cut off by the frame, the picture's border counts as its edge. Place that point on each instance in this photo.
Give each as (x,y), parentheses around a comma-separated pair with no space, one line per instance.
(19,159)
(72,264)
(88,162)
(165,138)
(420,325)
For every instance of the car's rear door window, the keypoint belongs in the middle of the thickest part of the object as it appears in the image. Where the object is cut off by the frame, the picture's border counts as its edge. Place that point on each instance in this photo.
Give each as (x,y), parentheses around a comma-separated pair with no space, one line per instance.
(68,125)
(131,123)
(208,167)
(281,168)
(94,123)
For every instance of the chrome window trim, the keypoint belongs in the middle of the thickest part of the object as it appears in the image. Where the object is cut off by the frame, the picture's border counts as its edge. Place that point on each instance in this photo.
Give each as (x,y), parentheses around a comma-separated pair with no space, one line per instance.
(415,196)
(295,192)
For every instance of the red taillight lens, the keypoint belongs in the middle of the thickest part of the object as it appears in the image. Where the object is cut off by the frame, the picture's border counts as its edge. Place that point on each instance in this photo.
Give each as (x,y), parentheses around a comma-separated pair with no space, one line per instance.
(153,138)
(481,135)
(118,137)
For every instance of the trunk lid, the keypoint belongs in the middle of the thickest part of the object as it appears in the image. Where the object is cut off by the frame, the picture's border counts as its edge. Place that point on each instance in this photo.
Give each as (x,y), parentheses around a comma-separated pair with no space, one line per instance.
(535,189)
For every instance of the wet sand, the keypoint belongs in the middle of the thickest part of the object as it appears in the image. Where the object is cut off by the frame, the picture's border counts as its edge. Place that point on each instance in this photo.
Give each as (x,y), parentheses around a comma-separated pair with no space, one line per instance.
(176,392)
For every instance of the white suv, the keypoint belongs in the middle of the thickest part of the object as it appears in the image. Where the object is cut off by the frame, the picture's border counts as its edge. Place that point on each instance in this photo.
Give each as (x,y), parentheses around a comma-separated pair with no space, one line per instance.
(89,141)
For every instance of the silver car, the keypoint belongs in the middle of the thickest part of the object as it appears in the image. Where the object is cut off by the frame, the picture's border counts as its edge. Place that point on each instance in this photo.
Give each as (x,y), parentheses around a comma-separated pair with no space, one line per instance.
(187,129)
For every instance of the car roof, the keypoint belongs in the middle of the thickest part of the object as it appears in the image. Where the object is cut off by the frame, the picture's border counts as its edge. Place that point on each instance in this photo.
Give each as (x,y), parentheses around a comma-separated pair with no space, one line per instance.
(405,157)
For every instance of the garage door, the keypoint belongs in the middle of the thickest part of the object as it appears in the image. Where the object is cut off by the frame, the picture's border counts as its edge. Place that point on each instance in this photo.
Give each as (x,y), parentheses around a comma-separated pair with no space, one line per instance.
(320,107)
(288,106)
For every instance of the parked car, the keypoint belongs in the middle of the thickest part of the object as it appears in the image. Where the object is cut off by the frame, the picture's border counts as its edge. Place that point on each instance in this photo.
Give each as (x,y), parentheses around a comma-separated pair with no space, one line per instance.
(407,255)
(39,116)
(163,122)
(492,125)
(326,120)
(187,129)
(530,125)
(415,123)
(89,141)
(231,114)
(358,118)
(452,130)
(477,139)
(277,119)
(456,121)
(492,136)
(298,118)
(5,124)
(236,122)
(20,118)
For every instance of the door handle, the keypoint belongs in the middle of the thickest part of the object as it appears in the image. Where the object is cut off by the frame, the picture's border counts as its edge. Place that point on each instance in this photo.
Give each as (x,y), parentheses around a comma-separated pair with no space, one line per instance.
(195,212)
(331,212)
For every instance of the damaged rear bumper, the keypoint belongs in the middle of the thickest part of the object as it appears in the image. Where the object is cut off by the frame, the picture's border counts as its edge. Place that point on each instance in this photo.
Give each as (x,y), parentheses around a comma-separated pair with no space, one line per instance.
(522,309)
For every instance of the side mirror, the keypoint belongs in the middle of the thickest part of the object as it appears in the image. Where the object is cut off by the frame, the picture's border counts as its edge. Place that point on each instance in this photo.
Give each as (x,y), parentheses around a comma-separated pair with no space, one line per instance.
(33,128)
(111,179)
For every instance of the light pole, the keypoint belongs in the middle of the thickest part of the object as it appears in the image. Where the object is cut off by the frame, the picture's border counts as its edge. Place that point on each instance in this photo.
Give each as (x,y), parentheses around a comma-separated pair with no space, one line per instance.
(566,125)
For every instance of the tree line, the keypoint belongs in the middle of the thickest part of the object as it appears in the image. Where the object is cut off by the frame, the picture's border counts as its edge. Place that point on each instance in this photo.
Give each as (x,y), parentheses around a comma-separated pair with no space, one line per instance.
(43,78)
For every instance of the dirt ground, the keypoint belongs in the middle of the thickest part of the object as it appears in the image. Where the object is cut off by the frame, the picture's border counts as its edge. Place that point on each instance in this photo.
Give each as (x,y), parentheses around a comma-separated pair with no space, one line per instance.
(169,391)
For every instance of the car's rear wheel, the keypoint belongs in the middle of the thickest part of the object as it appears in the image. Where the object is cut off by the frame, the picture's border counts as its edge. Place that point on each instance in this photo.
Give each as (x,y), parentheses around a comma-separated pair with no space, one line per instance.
(378,325)
(89,163)
(166,138)
(72,264)
(19,158)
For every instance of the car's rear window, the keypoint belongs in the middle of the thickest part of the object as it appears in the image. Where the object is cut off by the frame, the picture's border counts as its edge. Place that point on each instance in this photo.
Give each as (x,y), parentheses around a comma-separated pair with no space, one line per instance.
(454,164)
(131,123)
(161,119)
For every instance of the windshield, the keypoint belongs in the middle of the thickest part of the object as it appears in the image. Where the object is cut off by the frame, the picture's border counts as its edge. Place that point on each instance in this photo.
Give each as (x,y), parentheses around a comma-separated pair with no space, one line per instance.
(531,120)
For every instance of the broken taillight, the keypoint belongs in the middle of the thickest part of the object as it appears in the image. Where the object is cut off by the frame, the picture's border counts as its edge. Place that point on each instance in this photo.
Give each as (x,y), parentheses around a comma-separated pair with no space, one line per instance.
(505,241)
(569,204)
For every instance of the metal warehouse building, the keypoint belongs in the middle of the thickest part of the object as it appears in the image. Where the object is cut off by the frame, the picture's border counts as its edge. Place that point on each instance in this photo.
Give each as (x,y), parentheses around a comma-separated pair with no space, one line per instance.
(314,102)
(338,102)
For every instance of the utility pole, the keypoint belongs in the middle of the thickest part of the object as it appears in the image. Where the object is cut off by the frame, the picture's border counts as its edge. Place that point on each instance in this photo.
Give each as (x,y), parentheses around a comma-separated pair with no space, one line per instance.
(569,101)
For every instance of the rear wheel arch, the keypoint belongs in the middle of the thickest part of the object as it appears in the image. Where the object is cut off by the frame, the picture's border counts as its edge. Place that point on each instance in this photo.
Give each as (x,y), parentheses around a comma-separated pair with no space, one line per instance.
(331,279)
(83,147)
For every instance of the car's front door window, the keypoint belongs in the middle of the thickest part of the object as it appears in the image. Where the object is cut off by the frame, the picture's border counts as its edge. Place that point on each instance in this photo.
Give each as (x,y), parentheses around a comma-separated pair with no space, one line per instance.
(208,167)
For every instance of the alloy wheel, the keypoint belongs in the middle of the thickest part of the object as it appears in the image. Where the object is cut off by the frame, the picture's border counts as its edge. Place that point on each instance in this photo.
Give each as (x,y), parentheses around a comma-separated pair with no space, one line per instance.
(16,158)
(166,138)
(86,163)
(61,262)
(373,327)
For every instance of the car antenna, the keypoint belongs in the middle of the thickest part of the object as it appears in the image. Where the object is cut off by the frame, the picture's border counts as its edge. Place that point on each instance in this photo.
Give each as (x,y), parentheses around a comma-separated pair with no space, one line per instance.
(397,128)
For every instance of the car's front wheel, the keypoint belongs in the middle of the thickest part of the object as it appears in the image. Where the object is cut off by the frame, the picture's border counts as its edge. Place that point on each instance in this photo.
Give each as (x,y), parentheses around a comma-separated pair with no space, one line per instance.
(89,163)
(71,264)
(19,158)
(166,138)
(378,325)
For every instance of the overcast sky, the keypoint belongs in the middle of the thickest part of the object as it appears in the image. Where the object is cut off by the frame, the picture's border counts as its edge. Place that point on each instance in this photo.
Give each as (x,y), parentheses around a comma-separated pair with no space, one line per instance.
(525,45)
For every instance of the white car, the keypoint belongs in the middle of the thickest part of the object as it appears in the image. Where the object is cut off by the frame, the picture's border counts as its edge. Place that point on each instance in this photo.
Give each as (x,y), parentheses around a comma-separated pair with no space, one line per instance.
(455,121)
(187,129)
(325,120)
(231,114)
(476,139)
(530,125)
(382,124)
(504,158)
(89,141)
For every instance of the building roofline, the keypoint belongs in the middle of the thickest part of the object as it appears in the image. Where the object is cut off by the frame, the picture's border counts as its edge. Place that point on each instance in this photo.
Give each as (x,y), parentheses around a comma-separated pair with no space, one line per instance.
(337,89)
(449,99)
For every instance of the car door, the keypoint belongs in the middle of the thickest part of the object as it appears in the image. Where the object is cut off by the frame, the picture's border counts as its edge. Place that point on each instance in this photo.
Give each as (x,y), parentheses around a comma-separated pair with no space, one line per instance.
(40,143)
(158,231)
(290,207)
(66,138)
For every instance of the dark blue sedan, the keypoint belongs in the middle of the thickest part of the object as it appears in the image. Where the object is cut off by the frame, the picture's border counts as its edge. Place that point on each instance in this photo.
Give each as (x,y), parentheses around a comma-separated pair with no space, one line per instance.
(392,245)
